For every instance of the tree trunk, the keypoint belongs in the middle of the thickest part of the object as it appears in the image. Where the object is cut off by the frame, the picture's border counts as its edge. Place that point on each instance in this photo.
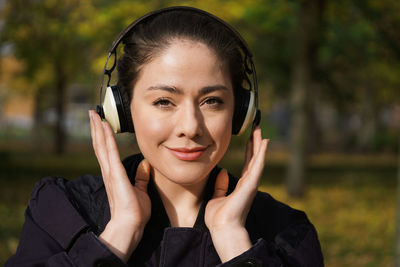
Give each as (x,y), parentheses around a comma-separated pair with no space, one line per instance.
(60,137)
(309,20)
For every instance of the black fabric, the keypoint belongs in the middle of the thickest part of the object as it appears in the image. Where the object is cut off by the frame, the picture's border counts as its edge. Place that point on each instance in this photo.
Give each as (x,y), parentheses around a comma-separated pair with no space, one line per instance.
(281,235)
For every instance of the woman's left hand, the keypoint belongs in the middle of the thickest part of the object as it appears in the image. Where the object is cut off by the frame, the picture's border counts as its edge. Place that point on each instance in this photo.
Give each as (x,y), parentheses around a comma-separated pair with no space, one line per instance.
(225,216)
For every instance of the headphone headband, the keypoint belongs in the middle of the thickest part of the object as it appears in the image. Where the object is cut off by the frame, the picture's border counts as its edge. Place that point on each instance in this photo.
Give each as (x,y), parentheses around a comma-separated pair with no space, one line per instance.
(250,114)
(122,34)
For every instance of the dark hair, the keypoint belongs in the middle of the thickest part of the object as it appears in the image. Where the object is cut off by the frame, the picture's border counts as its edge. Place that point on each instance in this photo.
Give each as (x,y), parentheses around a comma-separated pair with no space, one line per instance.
(156,33)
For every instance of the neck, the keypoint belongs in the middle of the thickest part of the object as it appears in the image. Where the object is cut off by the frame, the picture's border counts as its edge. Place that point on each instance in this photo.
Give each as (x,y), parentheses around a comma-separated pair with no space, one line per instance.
(181,202)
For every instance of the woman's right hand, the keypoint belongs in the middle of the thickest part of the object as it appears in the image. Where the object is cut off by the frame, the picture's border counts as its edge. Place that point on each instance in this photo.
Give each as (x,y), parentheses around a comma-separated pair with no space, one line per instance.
(130,206)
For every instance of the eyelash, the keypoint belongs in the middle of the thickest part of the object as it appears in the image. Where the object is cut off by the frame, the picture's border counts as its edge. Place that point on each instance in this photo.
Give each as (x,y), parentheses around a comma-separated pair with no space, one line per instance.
(162,103)
(215,101)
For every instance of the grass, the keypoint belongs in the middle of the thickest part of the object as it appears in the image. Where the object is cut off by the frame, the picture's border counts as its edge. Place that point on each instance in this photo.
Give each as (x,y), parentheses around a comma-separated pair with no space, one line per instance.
(350,198)
(355,221)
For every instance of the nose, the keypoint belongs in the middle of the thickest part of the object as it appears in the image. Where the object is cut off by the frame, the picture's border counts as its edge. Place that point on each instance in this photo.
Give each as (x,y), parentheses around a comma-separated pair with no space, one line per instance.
(190,122)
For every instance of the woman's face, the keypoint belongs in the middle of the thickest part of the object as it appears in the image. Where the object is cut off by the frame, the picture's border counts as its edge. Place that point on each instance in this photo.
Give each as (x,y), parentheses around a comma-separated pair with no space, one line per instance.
(182,110)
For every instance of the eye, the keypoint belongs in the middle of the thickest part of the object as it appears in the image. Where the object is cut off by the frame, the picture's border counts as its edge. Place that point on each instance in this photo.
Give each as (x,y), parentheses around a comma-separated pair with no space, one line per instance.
(163,103)
(213,102)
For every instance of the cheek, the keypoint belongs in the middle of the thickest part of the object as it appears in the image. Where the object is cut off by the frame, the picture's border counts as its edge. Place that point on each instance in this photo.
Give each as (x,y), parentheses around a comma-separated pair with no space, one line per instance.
(149,126)
(149,130)
(221,131)
(220,127)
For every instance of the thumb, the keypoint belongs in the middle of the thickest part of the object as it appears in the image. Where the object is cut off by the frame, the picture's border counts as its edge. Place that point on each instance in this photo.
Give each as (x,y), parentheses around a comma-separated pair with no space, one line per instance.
(142,175)
(221,184)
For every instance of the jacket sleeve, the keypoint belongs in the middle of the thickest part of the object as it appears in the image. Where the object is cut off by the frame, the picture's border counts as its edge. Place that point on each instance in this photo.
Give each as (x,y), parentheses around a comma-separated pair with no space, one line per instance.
(54,233)
(281,236)
(286,250)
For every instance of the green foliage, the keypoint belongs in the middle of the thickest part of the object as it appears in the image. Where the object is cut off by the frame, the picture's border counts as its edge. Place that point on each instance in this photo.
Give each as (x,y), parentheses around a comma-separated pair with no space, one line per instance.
(45,33)
(269,28)
(353,54)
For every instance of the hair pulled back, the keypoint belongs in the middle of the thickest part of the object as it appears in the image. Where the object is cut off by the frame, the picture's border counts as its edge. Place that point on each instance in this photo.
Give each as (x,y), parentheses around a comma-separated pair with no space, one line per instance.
(155,34)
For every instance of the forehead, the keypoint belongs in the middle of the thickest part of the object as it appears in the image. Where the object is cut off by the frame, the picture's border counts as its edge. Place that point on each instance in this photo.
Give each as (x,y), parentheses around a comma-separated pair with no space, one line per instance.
(184,64)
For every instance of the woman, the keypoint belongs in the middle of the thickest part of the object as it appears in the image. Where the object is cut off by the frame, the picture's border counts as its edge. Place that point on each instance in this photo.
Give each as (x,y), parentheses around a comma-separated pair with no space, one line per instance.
(181,77)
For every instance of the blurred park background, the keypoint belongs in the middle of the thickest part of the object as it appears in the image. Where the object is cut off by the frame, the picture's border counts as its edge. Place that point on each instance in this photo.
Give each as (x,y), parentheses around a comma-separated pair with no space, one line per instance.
(329,78)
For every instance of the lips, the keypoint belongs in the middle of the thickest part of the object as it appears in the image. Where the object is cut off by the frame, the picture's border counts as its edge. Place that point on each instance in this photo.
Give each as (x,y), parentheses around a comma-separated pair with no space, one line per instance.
(187,154)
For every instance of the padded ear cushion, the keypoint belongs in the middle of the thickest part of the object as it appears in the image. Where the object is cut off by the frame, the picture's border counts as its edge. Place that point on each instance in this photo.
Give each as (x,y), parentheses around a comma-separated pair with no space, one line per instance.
(244,112)
(127,111)
(241,105)
(120,108)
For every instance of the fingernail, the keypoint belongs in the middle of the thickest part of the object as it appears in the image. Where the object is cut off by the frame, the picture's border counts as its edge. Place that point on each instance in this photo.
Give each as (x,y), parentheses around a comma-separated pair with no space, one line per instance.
(145,166)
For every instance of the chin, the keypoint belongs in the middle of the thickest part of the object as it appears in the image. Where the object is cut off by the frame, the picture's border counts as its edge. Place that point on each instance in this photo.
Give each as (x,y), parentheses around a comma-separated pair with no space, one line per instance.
(186,173)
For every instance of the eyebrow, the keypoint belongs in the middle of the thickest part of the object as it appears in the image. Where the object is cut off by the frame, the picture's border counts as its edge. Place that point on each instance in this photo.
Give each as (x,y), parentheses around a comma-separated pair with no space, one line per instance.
(210,89)
(174,90)
(170,89)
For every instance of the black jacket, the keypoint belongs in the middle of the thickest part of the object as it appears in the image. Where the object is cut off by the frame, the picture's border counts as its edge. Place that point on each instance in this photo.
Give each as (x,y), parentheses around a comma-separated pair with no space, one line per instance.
(64,218)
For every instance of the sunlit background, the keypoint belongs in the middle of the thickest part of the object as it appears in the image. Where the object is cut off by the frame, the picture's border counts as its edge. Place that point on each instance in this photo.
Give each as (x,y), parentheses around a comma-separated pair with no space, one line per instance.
(329,81)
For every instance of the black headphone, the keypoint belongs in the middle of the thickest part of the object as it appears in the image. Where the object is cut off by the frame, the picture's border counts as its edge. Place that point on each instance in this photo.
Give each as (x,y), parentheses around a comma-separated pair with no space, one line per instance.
(116,112)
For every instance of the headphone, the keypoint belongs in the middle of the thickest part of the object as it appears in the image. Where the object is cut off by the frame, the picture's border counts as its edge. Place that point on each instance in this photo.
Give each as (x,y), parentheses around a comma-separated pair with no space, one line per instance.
(116,110)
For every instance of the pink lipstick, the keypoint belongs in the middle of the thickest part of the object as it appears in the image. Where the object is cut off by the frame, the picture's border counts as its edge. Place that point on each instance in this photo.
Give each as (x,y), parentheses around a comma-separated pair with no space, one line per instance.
(187,154)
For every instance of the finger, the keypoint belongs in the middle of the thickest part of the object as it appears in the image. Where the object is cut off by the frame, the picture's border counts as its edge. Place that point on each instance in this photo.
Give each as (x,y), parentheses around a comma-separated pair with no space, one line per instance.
(257,138)
(99,144)
(257,166)
(256,142)
(249,154)
(99,155)
(116,167)
(221,184)
(92,132)
(111,145)
(142,175)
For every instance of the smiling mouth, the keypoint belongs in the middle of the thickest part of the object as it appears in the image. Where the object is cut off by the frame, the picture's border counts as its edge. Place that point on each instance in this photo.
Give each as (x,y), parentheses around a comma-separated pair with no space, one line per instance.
(187,154)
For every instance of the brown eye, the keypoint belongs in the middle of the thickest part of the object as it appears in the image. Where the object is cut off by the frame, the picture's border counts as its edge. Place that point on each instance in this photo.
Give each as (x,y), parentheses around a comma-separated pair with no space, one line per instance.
(163,103)
(213,101)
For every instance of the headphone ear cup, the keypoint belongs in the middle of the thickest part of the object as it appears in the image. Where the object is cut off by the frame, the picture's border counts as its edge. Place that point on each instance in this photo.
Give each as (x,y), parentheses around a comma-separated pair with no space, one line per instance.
(245,111)
(110,111)
(115,111)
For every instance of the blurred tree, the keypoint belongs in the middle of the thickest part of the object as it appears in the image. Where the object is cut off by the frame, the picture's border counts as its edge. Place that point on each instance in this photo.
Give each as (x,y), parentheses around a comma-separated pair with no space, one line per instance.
(384,18)
(310,15)
(45,36)
(358,69)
